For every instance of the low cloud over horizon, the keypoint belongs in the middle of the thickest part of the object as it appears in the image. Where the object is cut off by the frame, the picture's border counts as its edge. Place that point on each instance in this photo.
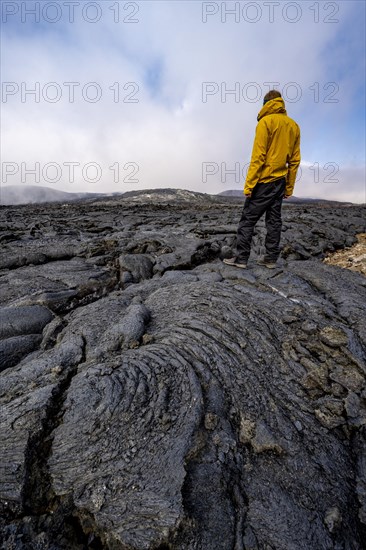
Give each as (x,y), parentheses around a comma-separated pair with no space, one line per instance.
(115,96)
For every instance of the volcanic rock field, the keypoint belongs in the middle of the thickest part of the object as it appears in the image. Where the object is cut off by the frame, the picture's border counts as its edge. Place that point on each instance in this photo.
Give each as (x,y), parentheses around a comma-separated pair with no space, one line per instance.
(153,398)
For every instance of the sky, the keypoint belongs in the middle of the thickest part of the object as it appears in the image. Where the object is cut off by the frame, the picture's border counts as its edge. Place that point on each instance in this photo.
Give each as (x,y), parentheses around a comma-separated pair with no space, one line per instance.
(112,96)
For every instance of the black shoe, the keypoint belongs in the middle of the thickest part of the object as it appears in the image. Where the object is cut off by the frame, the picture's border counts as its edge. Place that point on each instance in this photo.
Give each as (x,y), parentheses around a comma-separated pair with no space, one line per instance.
(270,264)
(236,262)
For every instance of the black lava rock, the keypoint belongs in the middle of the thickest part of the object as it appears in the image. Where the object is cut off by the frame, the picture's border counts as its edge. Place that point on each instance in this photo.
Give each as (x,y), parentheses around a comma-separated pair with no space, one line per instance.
(153,397)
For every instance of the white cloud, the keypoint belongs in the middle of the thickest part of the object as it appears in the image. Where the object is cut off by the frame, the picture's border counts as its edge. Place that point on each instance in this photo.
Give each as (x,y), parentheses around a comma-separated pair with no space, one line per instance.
(332,181)
(170,133)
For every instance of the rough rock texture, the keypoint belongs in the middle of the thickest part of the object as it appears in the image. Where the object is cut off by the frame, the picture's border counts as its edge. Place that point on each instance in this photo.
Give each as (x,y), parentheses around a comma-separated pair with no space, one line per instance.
(153,397)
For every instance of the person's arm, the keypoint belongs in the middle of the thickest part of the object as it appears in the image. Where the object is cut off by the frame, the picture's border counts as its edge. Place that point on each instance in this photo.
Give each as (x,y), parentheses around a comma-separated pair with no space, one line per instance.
(259,154)
(293,163)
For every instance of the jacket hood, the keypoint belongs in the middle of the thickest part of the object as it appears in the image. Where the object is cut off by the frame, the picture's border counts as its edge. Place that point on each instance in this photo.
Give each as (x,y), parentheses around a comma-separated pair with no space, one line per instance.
(273,106)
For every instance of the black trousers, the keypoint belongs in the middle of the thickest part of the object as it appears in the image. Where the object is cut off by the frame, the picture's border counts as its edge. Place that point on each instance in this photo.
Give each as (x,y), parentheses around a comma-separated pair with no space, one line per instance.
(266,198)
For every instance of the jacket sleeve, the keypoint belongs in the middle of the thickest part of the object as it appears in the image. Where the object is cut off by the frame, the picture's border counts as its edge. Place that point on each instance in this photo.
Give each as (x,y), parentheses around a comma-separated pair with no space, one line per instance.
(259,154)
(293,163)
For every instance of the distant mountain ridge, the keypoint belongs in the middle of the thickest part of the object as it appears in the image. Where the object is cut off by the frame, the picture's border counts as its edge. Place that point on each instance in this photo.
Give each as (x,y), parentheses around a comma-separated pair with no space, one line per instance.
(13,195)
(32,194)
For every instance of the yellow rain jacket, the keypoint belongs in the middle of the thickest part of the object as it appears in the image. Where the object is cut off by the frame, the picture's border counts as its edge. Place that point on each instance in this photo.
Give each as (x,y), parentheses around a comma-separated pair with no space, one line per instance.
(276,148)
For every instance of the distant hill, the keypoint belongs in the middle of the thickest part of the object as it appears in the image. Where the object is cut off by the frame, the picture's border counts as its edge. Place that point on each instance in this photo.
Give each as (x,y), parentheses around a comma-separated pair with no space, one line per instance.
(166,195)
(33,194)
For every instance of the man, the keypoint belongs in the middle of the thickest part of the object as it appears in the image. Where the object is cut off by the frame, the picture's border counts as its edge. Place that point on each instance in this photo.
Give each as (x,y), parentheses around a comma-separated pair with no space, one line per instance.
(271,177)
